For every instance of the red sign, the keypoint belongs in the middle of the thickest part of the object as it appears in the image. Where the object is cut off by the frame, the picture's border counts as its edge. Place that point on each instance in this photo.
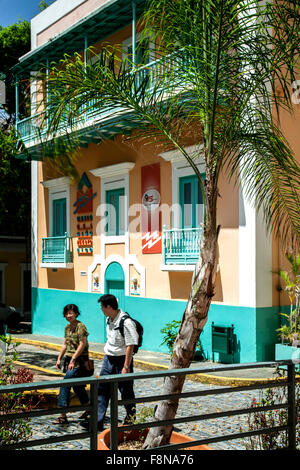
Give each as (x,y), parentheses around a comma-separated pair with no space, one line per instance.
(84,205)
(150,213)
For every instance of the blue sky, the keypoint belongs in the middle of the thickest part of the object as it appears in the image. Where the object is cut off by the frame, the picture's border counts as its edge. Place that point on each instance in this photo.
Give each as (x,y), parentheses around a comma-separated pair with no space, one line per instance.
(12,10)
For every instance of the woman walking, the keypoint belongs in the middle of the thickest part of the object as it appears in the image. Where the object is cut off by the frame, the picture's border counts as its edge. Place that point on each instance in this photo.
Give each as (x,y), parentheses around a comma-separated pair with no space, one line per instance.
(75,349)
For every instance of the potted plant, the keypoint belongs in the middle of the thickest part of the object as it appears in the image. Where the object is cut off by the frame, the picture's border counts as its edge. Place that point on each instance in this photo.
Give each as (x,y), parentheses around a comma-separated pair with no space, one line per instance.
(289,332)
(134,439)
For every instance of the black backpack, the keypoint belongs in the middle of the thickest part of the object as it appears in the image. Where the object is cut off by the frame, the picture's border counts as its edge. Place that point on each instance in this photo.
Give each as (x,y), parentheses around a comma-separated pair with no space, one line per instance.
(139,329)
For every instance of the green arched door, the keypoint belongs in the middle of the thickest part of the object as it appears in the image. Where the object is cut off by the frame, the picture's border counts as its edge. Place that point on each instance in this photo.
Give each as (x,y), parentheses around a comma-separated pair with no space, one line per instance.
(115,282)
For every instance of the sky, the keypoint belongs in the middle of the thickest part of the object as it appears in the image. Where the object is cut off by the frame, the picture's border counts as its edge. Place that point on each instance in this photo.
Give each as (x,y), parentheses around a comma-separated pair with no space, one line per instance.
(12,10)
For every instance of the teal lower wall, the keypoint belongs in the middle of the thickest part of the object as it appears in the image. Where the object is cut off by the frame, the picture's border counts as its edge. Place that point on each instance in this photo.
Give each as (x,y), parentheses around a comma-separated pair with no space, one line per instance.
(254,328)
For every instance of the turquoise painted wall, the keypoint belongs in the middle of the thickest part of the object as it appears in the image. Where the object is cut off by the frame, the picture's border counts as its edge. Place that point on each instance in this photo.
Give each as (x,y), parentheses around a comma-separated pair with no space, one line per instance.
(254,329)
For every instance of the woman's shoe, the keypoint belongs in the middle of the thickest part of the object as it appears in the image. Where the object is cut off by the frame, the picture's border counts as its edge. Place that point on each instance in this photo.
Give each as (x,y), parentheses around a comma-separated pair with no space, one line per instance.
(85,415)
(61,420)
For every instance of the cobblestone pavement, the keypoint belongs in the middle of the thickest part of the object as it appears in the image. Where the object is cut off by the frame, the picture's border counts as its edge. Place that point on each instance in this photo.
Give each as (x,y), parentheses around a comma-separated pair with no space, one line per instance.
(42,427)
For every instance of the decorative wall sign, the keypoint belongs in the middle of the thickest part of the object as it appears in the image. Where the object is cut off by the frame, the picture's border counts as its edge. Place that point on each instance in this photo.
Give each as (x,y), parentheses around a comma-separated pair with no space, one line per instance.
(150,213)
(84,205)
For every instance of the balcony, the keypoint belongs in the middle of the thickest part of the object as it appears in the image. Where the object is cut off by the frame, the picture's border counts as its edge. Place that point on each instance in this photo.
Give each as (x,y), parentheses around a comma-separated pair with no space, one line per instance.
(181,247)
(92,124)
(57,252)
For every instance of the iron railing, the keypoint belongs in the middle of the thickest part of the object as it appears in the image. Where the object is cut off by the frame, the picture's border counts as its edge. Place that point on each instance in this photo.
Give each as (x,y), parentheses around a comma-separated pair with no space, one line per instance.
(181,246)
(36,126)
(113,380)
(57,249)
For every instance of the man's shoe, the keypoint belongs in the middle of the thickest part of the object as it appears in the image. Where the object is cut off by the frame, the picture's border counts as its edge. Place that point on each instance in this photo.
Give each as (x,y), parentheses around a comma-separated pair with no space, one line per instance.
(86,425)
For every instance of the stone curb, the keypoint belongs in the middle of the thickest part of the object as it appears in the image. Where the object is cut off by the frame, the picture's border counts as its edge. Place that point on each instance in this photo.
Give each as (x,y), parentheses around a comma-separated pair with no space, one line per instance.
(203,378)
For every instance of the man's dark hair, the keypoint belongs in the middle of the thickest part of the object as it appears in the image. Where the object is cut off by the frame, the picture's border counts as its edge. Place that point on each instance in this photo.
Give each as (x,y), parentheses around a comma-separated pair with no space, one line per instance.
(109,299)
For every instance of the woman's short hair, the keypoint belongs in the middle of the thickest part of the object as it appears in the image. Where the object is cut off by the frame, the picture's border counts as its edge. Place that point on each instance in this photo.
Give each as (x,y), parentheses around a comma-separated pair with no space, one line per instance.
(69,307)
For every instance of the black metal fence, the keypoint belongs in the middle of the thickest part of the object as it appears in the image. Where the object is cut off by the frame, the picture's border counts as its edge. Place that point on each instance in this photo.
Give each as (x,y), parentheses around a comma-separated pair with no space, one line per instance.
(113,380)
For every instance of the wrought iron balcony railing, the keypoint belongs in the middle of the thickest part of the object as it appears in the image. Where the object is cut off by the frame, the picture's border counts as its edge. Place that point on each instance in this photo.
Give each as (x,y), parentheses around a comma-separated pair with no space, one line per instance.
(181,246)
(57,250)
(36,126)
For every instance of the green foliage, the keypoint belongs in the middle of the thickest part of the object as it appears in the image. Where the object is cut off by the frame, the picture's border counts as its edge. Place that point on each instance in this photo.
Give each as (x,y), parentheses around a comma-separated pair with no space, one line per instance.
(14,187)
(16,430)
(43,5)
(14,42)
(291,331)
(257,420)
(170,332)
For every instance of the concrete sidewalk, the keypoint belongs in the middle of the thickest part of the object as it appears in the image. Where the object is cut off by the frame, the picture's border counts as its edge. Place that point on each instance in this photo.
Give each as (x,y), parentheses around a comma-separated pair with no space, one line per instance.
(209,372)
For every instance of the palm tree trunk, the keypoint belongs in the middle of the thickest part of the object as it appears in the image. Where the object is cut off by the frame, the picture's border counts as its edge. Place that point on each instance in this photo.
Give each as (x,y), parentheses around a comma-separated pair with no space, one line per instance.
(194,319)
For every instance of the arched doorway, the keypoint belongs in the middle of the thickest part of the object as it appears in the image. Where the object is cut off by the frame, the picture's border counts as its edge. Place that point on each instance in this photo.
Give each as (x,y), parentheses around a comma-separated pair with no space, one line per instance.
(115,282)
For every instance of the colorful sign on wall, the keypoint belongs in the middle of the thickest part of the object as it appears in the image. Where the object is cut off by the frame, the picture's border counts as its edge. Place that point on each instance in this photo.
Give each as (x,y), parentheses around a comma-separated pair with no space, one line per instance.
(150,213)
(84,211)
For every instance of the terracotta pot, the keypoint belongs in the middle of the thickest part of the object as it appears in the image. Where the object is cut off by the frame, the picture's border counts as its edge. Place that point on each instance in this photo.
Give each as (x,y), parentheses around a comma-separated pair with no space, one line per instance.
(176,438)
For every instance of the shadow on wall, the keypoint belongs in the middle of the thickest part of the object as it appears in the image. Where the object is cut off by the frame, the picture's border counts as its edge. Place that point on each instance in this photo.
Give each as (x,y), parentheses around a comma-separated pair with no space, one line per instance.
(180,286)
(61,277)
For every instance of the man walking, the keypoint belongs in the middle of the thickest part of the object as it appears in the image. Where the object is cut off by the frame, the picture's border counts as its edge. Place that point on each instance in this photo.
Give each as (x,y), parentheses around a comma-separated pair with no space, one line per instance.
(118,357)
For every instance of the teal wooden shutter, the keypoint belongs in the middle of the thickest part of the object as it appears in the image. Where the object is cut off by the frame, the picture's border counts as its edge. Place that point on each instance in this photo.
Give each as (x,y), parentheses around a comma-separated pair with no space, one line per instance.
(59,217)
(190,200)
(116,212)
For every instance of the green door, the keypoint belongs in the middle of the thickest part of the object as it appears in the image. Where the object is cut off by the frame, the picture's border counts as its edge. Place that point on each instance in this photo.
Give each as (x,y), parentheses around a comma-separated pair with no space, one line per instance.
(115,284)
(142,52)
(59,217)
(191,203)
(115,211)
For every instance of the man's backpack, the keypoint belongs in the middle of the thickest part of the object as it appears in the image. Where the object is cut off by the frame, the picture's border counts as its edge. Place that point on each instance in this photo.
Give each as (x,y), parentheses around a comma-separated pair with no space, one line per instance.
(139,329)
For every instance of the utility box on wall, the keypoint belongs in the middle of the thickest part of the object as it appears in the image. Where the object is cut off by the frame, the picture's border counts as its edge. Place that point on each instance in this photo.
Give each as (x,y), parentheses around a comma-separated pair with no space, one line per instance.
(222,340)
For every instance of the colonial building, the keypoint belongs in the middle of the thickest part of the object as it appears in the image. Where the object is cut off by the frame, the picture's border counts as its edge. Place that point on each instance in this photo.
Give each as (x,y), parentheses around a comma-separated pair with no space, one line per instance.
(92,236)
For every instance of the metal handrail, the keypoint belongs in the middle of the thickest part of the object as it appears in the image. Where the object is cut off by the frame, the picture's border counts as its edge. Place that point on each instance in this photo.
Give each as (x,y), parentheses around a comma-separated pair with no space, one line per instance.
(88,113)
(114,380)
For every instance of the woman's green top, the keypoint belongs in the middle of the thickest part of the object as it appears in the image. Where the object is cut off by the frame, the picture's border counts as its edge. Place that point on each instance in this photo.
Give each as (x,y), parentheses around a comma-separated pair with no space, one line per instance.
(73,339)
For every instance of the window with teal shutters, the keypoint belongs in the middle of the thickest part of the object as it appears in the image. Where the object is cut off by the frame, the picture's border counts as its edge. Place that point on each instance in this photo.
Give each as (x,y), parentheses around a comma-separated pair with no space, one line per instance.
(190,198)
(59,217)
(115,200)
(142,52)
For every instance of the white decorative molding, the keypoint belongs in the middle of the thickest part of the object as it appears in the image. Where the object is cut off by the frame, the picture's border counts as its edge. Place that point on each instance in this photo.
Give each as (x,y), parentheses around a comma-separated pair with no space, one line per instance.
(113,171)
(57,265)
(57,183)
(178,267)
(176,156)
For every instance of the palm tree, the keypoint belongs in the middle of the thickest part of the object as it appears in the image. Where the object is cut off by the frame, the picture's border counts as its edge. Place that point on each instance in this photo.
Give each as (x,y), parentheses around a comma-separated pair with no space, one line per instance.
(219,71)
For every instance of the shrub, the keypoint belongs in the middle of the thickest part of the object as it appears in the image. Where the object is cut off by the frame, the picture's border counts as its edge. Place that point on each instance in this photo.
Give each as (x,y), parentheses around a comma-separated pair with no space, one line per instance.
(266,419)
(170,332)
(15,430)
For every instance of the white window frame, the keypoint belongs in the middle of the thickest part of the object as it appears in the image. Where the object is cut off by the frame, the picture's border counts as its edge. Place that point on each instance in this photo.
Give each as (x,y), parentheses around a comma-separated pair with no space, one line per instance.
(58,188)
(180,168)
(115,177)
